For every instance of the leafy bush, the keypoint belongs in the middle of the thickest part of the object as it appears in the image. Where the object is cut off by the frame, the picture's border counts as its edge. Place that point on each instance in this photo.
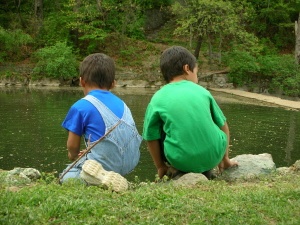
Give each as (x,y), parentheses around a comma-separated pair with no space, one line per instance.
(14,44)
(51,32)
(57,61)
(285,74)
(242,67)
(280,71)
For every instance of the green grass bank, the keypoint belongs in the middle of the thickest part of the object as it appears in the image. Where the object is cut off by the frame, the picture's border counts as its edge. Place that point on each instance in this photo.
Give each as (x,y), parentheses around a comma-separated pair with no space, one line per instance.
(266,200)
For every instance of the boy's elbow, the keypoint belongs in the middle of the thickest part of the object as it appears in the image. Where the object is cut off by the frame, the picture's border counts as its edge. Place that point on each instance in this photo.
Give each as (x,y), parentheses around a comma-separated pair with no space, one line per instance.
(73,152)
(71,157)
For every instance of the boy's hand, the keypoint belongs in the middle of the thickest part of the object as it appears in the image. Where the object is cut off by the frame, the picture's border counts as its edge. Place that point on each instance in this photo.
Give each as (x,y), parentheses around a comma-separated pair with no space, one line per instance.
(81,152)
(161,171)
(172,172)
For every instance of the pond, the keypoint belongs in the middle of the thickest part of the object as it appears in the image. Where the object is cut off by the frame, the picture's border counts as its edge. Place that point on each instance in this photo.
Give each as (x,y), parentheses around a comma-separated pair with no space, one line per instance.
(32,136)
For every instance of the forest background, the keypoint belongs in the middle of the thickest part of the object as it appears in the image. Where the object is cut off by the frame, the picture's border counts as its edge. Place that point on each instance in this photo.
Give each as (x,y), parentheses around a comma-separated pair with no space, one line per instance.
(254,41)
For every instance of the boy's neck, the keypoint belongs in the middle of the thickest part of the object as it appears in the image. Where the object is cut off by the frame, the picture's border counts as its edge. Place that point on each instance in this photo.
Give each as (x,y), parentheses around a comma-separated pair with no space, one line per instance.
(88,89)
(178,78)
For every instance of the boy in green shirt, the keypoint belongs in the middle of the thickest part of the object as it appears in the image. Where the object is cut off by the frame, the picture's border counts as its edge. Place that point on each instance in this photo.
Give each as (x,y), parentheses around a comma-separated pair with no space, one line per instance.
(183,124)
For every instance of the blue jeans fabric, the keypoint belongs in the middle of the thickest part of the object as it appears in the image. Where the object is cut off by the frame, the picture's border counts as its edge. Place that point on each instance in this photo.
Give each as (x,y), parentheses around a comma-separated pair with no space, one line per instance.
(119,150)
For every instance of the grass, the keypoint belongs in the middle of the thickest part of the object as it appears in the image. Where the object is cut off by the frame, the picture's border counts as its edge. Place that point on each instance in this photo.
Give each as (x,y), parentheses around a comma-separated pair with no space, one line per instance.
(273,200)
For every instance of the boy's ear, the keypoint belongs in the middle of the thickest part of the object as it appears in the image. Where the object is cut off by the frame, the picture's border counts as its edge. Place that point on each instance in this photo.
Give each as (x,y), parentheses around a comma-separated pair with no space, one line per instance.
(114,83)
(82,82)
(186,68)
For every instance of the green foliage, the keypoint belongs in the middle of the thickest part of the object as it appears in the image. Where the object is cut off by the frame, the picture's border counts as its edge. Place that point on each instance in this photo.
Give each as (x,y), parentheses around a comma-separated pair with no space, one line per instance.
(128,52)
(216,22)
(94,21)
(57,61)
(154,4)
(274,20)
(242,66)
(14,44)
(253,26)
(284,73)
(51,32)
(245,41)
(205,18)
(126,19)
(280,71)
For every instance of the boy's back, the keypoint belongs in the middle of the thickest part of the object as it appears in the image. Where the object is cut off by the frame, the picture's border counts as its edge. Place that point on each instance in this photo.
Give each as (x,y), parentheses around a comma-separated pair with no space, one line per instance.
(193,142)
(183,123)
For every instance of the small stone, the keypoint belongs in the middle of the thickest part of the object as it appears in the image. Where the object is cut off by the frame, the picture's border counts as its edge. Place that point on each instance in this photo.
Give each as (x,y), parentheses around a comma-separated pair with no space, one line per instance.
(296,166)
(283,170)
(32,173)
(190,179)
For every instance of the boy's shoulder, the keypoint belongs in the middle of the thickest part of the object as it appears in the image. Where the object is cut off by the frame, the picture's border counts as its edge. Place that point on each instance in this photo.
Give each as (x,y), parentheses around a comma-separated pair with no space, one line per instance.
(177,89)
(184,85)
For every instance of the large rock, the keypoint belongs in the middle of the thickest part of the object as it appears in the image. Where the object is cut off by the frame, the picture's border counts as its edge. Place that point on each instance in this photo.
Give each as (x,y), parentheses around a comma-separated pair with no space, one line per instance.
(250,166)
(22,176)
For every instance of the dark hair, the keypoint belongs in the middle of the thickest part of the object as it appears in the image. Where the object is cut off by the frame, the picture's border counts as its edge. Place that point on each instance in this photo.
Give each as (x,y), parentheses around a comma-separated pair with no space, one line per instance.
(98,69)
(172,61)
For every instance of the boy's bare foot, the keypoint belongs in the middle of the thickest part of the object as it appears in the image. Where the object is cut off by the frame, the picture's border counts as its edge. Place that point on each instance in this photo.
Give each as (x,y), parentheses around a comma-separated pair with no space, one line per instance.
(226,163)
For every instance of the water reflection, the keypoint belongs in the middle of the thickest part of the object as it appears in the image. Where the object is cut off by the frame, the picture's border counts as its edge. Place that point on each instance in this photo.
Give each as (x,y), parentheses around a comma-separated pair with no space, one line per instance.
(32,136)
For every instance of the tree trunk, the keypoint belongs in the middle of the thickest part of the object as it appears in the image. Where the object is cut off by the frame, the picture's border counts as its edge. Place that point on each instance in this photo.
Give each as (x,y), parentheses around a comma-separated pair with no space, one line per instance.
(198,46)
(297,42)
(291,137)
(74,33)
(38,11)
(18,5)
(210,53)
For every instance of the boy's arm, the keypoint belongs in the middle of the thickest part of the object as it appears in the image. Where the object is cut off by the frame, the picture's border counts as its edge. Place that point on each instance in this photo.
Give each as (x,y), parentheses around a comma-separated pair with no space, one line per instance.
(226,162)
(73,146)
(225,129)
(155,152)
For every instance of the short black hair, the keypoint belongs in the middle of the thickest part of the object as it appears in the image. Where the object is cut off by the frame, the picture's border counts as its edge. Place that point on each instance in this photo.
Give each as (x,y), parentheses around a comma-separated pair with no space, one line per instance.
(172,61)
(98,69)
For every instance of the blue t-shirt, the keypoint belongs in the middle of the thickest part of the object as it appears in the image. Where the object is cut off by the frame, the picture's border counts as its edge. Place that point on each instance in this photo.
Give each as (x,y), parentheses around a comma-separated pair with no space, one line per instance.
(84,119)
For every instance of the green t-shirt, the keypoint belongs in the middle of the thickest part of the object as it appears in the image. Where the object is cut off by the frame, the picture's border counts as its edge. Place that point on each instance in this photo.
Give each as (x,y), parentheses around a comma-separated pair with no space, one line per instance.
(191,120)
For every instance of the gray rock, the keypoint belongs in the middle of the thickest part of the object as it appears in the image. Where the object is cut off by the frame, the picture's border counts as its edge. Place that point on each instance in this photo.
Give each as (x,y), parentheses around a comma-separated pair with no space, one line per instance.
(31,173)
(283,170)
(296,166)
(189,179)
(22,175)
(250,166)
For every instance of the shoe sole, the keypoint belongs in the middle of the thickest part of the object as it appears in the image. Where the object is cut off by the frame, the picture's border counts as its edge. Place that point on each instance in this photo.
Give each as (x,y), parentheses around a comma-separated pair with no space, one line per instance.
(94,174)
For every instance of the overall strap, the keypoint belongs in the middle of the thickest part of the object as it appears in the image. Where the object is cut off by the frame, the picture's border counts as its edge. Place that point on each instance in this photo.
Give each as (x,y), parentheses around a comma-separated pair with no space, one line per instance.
(108,116)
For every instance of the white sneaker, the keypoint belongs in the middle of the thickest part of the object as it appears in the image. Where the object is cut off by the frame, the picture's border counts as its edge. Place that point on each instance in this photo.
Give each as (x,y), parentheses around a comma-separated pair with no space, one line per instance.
(94,174)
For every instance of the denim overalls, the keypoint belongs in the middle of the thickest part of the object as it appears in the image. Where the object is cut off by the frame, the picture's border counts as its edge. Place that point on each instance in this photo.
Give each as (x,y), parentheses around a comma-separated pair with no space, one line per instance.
(119,150)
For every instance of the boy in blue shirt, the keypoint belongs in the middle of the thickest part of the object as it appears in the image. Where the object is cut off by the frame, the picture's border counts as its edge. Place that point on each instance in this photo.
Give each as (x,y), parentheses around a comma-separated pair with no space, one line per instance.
(91,117)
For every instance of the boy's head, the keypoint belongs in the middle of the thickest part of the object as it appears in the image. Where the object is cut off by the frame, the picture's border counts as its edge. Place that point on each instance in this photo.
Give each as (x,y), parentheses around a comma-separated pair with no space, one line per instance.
(173,60)
(98,69)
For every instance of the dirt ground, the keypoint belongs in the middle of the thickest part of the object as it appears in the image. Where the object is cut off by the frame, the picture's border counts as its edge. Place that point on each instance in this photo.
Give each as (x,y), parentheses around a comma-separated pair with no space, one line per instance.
(261,97)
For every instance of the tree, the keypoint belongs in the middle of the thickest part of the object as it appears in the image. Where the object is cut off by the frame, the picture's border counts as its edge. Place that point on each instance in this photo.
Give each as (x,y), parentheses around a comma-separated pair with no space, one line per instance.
(274,21)
(57,61)
(297,42)
(38,12)
(206,20)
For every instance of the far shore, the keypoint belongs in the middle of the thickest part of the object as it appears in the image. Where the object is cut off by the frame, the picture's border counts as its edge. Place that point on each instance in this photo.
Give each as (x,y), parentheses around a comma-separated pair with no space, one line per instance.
(129,86)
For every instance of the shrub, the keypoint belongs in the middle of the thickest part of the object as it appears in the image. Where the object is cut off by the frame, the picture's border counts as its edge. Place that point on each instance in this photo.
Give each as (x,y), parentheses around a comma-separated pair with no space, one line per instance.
(280,71)
(14,44)
(57,61)
(242,67)
(285,75)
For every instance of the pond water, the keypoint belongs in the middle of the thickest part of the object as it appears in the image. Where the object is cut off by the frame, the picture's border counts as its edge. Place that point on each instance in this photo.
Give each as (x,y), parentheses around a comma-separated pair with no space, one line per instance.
(31,134)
